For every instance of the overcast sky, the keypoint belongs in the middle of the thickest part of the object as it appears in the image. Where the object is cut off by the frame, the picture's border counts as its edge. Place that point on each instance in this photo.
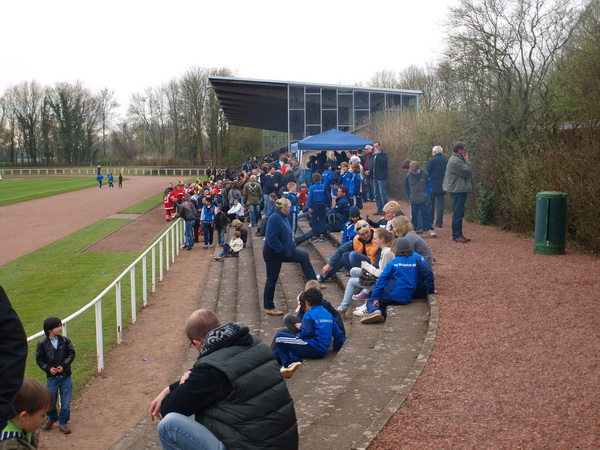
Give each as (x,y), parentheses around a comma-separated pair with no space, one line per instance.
(129,45)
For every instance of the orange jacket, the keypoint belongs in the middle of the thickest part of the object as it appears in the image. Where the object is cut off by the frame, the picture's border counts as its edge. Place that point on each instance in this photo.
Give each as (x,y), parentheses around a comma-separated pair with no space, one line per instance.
(369,249)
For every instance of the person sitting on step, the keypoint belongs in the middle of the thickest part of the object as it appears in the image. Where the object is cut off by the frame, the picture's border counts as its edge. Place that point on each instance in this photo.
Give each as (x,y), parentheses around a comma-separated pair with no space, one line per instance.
(398,282)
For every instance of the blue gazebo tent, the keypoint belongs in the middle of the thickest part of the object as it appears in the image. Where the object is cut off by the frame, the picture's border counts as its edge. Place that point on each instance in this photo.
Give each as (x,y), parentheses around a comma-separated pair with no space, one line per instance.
(329,141)
(333,140)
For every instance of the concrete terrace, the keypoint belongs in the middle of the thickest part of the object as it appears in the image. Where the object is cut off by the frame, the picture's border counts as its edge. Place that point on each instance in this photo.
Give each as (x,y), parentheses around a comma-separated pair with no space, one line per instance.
(343,400)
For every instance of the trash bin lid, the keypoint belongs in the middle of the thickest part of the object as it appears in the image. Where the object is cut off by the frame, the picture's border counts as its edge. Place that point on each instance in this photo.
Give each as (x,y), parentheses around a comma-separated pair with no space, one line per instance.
(551,194)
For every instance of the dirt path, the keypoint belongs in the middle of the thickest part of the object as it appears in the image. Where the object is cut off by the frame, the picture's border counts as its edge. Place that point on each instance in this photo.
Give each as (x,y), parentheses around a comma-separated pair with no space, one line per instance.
(28,226)
(119,397)
(516,358)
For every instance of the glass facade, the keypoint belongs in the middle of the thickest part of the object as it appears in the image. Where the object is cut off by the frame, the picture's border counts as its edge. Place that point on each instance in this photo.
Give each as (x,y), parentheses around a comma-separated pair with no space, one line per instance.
(313,109)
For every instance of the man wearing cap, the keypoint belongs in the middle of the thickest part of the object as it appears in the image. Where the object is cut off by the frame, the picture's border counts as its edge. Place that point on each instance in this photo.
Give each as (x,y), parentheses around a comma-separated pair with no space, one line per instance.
(405,277)
(457,182)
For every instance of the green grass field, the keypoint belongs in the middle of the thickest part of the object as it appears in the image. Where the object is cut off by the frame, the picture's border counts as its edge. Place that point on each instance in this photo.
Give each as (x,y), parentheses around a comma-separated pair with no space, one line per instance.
(14,190)
(144,206)
(57,280)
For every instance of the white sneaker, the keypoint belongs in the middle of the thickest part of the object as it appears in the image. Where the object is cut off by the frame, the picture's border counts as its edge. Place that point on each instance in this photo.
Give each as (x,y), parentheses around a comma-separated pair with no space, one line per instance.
(287,372)
(360,311)
(432,233)
(320,278)
(374,317)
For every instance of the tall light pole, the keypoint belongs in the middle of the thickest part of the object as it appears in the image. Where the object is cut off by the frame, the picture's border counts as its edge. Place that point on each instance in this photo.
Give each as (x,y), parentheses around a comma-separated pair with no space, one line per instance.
(144,114)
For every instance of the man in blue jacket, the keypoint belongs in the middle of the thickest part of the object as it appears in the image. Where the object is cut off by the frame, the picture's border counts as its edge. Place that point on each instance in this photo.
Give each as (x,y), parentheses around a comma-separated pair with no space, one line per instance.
(316,331)
(278,248)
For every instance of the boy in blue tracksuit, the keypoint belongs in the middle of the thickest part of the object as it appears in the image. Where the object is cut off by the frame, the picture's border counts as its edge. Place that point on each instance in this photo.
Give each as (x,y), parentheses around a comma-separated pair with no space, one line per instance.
(316,331)
(340,213)
(345,176)
(292,196)
(328,179)
(401,280)
(319,200)
(348,230)
(354,193)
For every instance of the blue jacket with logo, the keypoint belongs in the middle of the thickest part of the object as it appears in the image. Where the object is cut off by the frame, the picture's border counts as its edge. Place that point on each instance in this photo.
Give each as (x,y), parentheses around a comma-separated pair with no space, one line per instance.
(318,327)
(318,193)
(348,231)
(407,272)
(327,178)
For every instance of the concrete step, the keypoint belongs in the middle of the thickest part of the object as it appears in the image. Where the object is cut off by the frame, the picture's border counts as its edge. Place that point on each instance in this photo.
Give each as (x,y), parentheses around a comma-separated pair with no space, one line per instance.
(344,399)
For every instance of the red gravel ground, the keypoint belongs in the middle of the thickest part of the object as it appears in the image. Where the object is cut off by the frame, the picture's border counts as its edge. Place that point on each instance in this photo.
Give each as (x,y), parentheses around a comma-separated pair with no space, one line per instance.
(516,359)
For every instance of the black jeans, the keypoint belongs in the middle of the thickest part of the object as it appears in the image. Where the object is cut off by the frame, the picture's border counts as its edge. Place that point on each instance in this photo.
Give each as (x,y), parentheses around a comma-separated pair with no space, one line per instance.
(273,266)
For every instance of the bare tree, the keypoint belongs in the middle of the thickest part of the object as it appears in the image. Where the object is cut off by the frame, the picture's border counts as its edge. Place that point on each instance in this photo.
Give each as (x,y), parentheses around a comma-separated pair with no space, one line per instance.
(24,105)
(172,92)
(501,53)
(385,79)
(77,116)
(194,84)
(107,106)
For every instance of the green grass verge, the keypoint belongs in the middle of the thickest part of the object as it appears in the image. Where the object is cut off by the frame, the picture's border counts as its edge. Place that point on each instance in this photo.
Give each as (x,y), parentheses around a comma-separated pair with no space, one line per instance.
(57,281)
(144,206)
(15,190)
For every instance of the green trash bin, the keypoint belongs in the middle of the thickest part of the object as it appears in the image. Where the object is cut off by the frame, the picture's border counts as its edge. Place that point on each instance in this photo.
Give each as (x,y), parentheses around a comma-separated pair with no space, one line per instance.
(550,223)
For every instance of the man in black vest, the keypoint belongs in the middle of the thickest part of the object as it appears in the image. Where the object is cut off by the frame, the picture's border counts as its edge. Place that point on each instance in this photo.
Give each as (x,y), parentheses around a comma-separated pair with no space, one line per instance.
(235,390)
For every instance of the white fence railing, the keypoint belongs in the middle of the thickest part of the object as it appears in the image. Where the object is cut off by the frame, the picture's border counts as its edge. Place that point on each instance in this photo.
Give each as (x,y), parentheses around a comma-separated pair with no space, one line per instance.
(178,171)
(168,244)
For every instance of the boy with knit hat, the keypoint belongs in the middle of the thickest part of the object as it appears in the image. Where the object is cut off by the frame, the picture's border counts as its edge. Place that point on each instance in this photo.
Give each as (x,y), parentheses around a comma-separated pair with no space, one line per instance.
(398,282)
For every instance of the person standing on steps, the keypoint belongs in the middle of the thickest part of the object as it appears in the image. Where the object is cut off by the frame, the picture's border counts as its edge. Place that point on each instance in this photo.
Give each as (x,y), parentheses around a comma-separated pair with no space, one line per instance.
(458,183)
(436,167)
(379,174)
(279,247)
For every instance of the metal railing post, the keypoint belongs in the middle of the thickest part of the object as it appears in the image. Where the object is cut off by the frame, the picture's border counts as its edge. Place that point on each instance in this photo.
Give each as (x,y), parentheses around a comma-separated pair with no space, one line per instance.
(119,308)
(144,282)
(99,338)
(167,251)
(161,258)
(153,268)
(133,309)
